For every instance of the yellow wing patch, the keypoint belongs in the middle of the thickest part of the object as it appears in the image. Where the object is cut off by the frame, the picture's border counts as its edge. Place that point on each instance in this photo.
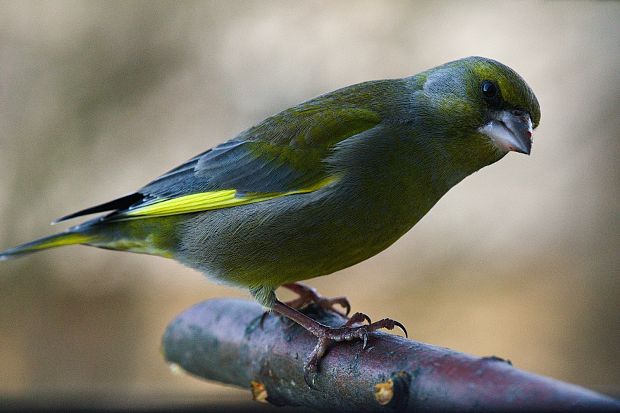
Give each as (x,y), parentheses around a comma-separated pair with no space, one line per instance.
(206,201)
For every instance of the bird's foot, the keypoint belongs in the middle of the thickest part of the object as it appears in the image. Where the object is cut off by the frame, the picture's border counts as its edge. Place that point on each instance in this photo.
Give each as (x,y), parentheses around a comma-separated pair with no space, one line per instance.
(353,329)
(308,295)
(350,331)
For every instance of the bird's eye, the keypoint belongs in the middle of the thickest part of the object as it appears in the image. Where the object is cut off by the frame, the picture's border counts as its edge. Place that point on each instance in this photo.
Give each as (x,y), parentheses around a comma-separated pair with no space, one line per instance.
(489,90)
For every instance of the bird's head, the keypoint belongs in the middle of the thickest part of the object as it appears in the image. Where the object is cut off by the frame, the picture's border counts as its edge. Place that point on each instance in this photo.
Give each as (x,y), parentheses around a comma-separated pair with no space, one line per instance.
(484,106)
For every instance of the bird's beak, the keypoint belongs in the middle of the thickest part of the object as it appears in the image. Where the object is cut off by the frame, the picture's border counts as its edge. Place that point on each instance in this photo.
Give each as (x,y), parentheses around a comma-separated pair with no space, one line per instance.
(510,130)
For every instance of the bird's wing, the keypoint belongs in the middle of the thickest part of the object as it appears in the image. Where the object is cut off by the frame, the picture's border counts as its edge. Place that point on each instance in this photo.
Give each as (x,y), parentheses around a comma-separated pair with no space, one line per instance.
(283,155)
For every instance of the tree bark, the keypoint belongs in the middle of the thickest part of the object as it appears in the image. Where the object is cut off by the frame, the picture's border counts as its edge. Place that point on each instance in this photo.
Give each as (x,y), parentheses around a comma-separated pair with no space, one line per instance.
(222,340)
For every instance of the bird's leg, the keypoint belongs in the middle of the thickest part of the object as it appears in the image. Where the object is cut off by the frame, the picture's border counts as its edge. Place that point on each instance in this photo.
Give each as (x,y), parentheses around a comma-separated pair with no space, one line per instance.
(308,295)
(351,330)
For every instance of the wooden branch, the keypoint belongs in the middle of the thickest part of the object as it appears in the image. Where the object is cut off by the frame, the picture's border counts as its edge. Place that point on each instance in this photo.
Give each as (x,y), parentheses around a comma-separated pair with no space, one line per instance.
(221,340)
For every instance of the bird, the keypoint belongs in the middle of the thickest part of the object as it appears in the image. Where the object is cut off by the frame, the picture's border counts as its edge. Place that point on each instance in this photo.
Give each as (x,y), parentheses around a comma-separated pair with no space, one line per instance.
(319,187)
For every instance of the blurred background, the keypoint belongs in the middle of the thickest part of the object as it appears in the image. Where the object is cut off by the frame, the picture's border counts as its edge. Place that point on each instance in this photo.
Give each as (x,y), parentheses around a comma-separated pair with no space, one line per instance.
(520,260)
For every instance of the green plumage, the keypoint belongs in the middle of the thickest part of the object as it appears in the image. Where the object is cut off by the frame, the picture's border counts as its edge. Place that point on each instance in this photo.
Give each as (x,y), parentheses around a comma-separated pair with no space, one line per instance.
(347,174)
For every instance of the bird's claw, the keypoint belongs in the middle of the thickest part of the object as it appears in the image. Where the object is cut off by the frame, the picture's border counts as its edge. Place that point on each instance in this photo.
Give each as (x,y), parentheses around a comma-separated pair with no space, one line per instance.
(310,376)
(402,327)
(357,318)
(263,317)
(309,295)
(327,304)
(311,366)
(348,332)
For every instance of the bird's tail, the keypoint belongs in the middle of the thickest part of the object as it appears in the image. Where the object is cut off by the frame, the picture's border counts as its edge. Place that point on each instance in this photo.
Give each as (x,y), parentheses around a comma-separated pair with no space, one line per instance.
(68,237)
(153,237)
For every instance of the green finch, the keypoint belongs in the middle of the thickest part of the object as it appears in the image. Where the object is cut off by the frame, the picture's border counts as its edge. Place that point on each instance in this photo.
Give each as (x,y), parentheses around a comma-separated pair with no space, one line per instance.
(320,186)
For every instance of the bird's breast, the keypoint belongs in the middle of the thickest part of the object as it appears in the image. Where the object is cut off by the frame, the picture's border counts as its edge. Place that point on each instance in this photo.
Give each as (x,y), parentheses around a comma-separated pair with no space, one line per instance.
(297,237)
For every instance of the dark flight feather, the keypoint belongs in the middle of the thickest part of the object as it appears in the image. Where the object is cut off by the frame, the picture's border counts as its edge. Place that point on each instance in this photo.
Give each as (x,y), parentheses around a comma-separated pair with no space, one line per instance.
(114,205)
(271,157)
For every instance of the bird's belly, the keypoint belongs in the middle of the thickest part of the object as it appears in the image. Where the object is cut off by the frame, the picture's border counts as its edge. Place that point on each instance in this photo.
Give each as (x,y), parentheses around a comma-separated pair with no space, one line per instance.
(288,239)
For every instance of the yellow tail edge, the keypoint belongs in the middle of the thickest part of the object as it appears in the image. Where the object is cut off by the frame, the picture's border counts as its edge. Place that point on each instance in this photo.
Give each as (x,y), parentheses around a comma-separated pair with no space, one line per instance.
(53,241)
